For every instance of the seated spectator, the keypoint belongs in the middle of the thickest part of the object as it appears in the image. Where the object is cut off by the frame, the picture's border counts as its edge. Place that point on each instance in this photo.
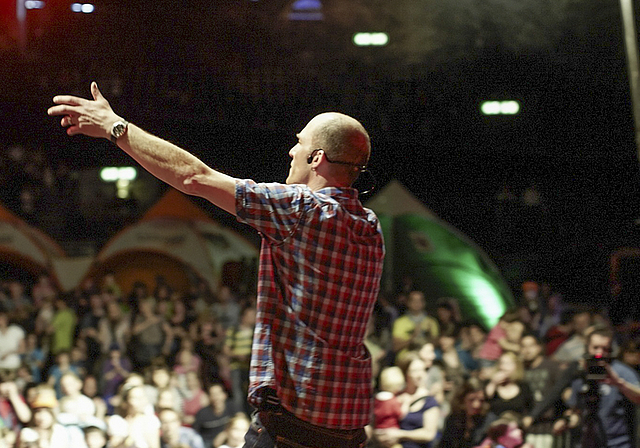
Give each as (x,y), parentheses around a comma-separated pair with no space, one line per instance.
(148,335)
(540,374)
(167,399)
(233,434)
(90,389)
(44,430)
(557,334)
(505,433)
(12,346)
(160,379)
(466,425)
(387,409)
(211,420)
(237,348)
(208,346)
(449,355)
(414,327)
(113,328)
(63,365)
(18,305)
(419,427)
(95,433)
(174,435)
(115,370)
(14,411)
(34,357)
(504,336)
(89,330)
(62,327)
(448,315)
(573,349)
(186,361)
(630,354)
(194,399)
(471,339)
(179,322)
(73,401)
(434,378)
(141,428)
(226,308)
(507,391)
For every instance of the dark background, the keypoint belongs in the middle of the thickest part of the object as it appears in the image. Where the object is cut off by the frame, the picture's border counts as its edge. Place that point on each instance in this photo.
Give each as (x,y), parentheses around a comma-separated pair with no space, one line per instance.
(233,81)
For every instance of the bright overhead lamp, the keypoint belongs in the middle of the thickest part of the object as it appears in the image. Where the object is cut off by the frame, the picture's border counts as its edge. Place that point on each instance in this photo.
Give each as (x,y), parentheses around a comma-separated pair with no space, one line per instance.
(508,107)
(370,39)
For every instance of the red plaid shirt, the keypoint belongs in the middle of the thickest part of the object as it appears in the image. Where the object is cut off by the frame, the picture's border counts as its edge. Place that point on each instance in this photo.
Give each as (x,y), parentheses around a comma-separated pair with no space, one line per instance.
(320,269)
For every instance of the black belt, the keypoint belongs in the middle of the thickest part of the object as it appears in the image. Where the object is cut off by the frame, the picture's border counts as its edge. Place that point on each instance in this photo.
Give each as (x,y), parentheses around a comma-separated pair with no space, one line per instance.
(289,431)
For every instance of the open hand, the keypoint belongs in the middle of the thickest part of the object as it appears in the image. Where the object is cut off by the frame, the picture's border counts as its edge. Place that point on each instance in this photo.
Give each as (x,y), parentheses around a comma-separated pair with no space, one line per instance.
(81,116)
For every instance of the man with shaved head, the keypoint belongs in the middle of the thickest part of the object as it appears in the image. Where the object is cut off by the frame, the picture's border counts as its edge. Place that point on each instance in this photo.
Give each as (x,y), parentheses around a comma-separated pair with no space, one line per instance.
(319,277)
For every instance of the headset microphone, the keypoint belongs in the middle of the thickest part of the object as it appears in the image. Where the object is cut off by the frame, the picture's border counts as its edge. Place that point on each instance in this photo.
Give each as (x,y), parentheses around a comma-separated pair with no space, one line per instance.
(360,168)
(313,153)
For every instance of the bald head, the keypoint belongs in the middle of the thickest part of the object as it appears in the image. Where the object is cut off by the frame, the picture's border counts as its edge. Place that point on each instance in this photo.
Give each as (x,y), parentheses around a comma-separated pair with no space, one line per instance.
(343,138)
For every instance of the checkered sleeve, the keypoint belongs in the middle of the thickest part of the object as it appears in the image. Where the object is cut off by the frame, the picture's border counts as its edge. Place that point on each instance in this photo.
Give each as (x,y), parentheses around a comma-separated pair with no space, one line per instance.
(275,210)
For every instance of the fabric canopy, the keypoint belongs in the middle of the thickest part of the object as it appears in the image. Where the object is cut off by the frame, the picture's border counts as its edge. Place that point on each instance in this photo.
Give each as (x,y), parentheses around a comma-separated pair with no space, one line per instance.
(439,260)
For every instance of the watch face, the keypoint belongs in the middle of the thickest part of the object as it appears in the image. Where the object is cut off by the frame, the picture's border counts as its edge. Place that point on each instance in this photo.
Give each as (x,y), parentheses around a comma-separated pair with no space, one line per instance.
(118,130)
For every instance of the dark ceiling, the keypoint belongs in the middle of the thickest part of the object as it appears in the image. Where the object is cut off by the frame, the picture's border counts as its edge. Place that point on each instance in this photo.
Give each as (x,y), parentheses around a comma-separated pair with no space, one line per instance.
(234,80)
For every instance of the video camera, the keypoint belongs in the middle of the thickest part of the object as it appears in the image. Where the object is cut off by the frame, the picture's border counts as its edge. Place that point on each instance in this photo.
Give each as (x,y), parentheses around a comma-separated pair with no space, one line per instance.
(596,367)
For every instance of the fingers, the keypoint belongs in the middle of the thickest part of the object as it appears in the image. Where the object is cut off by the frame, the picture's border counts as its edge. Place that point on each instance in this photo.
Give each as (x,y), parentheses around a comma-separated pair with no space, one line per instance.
(95,92)
(67,120)
(70,100)
(73,130)
(63,109)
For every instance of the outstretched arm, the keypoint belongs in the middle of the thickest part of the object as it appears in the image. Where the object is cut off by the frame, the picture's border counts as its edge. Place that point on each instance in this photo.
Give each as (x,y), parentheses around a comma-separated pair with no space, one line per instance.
(164,160)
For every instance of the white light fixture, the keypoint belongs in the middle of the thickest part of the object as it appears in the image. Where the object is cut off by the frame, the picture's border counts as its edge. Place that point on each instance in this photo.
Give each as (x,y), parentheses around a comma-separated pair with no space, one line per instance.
(86,8)
(115,174)
(33,4)
(370,39)
(510,107)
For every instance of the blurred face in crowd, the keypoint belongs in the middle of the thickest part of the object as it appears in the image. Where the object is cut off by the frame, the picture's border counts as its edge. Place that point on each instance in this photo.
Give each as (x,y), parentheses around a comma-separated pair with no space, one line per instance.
(43,418)
(427,354)
(444,314)
(95,439)
(70,385)
(137,400)
(415,302)
(161,378)
(599,346)
(447,342)
(581,322)
(473,403)
(507,364)
(165,400)
(249,317)
(514,331)
(631,358)
(476,335)
(236,432)
(530,349)
(169,426)
(90,386)
(416,372)
(217,395)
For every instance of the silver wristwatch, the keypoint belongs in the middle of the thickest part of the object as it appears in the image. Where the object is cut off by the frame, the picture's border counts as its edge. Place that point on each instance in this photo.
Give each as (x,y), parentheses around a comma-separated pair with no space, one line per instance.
(118,129)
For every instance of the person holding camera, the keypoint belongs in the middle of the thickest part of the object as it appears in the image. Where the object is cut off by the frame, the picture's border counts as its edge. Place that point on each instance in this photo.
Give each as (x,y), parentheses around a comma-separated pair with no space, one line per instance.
(603,397)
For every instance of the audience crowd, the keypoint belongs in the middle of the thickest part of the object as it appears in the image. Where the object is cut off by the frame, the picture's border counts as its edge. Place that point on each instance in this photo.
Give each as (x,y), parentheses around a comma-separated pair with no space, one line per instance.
(152,367)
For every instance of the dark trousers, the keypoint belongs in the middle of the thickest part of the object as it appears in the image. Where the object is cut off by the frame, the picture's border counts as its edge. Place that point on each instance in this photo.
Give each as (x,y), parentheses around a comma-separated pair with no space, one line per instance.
(274,426)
